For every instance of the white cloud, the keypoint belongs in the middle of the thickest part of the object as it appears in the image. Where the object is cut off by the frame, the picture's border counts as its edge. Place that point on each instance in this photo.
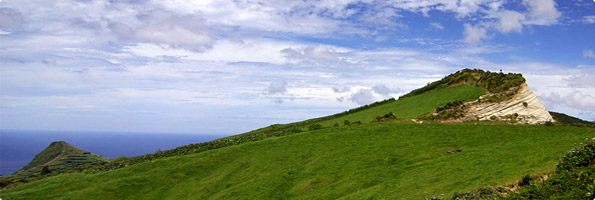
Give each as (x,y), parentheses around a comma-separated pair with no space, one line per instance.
(581,81)
(437,25)
(279,87)
(589,19)
(341,90)
(474,33)
(580,100)
(510,21)
(311,55)
(576,99)
(166,28)
(542,12)
(367,95)
(384,91)
(173,59)
(362,97)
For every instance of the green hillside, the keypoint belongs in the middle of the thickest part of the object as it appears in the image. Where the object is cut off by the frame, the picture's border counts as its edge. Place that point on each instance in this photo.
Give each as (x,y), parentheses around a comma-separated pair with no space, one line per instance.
(349,155)
(380,160)
(60,156)
(404,108)
(567,119)
(412,107)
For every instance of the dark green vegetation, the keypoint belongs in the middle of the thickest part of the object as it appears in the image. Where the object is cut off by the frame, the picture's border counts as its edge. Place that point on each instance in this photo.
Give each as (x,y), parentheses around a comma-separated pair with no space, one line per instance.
(378,160)
(499,84)
(574,177)
(576,184)
(371,152)
(570,120)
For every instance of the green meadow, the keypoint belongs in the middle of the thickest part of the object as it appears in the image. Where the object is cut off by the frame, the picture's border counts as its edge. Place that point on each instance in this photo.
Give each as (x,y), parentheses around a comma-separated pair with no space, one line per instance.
(380,160)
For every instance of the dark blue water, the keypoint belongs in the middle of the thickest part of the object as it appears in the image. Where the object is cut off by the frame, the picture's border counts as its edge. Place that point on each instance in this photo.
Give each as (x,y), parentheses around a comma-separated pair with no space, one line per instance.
(17,148)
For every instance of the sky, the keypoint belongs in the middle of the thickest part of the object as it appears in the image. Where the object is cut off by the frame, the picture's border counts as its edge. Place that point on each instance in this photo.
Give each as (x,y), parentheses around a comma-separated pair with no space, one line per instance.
(228,67)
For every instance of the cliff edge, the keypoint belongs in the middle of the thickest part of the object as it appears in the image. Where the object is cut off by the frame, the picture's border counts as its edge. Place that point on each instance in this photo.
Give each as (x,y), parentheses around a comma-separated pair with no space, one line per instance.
(524,107)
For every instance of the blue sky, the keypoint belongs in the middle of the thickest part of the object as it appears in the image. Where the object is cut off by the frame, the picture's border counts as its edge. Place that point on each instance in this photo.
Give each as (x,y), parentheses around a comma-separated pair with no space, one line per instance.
(227,67)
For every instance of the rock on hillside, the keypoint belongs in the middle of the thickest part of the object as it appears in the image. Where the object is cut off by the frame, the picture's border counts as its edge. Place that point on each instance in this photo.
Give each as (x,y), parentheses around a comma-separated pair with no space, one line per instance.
(524,107)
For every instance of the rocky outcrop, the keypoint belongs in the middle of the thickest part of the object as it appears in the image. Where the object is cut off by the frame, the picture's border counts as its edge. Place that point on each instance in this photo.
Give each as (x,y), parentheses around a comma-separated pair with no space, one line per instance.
(524,107)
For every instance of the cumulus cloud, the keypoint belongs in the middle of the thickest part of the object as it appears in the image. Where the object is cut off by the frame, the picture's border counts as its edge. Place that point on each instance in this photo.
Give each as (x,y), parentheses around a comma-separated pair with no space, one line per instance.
(341,90)
(510,21)
(384,91)
(574,99)
(589,19)
(10,19)
(362,97)
(542,12)
(579,100)
(474,33)
(279,87)
(366,96)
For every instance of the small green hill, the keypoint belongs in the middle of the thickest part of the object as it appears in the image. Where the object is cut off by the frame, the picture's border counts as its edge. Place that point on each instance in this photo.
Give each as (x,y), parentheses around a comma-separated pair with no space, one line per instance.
(567,119)
(60,156)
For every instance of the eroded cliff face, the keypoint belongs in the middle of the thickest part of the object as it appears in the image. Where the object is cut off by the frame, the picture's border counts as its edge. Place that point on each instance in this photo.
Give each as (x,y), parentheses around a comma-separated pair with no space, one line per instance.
(524,107)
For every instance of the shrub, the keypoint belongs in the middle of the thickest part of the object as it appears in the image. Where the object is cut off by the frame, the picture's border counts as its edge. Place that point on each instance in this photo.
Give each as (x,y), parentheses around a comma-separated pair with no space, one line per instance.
(120,159)
(483,193)
(501,189)
(525,104)
(526,180)
(576,184)
(578,157)
(45,170)
(389,116)
(294,130)
(314,127)
(502,84)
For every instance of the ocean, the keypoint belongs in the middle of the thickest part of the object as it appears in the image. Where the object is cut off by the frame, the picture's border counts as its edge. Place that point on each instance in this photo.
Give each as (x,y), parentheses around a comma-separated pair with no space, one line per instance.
(17,148)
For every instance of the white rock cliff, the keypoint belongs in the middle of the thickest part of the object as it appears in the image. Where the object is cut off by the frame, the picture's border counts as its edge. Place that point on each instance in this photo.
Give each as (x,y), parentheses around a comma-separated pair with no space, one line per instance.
(524,105)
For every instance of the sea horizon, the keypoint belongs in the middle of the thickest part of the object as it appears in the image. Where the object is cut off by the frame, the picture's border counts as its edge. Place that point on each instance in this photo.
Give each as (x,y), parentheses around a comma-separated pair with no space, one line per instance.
(19,147)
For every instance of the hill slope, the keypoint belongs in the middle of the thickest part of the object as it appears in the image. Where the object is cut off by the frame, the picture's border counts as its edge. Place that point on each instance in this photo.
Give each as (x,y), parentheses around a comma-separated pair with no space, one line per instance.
(567,119)
(380,160)
(60,156)
(347,155)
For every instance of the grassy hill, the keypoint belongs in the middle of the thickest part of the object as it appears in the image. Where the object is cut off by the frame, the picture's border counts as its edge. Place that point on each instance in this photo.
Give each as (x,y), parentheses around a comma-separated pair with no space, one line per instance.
(348,155)
(59,156)
(379,160)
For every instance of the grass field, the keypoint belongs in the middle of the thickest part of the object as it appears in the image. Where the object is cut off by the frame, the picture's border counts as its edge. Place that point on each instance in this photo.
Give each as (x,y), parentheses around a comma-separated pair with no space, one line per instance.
(373,161)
